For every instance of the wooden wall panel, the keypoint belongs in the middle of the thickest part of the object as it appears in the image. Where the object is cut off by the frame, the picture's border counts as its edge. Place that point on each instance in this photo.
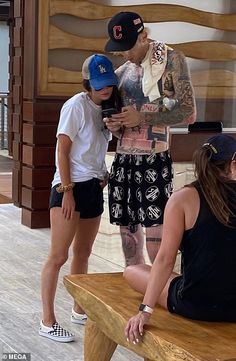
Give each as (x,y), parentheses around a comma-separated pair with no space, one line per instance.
(40,119)
(55,80)
(39,134)
(38,156)
(35,199)
(35,219)
(16,123)
(30,45)
(16,175)
(37,178)
(46,111)
(34,121)
(38,90)
(17,65)
(18,9)
(10,82)
(16,81)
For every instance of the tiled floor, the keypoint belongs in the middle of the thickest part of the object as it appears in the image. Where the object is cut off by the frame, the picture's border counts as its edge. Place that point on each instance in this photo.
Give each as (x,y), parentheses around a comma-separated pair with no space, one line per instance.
(23,252)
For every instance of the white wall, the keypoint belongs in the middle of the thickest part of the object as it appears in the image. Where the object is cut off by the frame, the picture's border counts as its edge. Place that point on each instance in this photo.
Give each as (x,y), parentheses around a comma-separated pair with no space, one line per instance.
(4,49)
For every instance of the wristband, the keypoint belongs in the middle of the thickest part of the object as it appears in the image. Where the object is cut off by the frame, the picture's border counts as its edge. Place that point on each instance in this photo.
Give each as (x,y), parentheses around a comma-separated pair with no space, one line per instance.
(62,189)
(145,308)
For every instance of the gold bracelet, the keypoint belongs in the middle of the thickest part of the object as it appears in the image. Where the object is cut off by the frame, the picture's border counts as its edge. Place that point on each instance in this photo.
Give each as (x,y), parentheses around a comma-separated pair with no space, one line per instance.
(67,188)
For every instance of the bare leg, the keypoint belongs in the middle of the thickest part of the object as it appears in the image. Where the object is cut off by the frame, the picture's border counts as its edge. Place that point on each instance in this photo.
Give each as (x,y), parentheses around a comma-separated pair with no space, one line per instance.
(153,241)
(62,233)
(86,232)
(132,244)
(137,277)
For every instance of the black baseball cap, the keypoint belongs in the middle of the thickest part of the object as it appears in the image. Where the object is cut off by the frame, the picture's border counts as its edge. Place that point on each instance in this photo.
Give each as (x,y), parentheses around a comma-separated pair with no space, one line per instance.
(123,30)
(223,148)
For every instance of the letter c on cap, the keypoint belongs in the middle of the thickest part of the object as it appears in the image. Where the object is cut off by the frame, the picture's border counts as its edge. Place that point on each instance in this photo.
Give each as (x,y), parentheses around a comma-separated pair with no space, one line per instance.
(117,32)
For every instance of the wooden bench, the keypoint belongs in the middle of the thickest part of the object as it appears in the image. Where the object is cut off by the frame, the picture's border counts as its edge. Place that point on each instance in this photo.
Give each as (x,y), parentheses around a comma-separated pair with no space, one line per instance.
(109,302)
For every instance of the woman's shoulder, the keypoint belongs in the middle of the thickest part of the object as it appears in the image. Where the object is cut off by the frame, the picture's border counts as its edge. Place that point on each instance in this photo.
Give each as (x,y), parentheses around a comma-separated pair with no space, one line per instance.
(76,100)
(184,203)
(185,194)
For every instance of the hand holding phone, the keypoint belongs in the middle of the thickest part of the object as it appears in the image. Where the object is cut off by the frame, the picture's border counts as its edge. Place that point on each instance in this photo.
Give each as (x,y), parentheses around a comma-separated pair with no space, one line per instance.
(107,113)
(112,125)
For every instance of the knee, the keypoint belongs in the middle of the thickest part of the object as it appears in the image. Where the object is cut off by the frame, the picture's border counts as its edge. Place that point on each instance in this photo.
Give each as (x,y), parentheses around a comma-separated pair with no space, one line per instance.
(82,252)
(57,260)
(128,273)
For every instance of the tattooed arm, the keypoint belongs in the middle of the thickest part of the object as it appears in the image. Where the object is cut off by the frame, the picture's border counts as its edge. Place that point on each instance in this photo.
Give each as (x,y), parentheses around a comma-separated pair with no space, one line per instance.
(185,110)
(181,87)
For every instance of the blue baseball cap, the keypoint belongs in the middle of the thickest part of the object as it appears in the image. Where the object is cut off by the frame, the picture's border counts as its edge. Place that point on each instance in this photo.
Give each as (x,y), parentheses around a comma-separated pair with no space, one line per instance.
(222,147)
(98,69)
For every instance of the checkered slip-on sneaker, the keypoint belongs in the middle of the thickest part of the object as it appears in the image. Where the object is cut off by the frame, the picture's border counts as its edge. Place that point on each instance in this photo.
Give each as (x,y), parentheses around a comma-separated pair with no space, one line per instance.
(56,333)
(79,318)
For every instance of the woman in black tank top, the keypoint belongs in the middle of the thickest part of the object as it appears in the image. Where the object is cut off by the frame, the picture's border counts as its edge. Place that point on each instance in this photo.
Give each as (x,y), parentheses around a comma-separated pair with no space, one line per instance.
(200,220)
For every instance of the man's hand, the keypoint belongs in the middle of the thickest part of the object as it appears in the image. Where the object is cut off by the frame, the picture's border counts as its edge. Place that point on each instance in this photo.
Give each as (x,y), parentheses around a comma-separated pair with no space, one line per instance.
(129,117)
(103,182)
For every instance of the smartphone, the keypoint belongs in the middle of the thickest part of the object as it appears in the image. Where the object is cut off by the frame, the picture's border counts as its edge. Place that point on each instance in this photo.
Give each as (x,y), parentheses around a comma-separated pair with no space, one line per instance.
(107,113)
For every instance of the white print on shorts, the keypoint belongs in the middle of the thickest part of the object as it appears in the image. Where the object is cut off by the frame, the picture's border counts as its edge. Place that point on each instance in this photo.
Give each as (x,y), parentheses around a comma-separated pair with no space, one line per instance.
(153,212)
(141,214)
(165,173)
(151,158)
(151,175)
(138,177)
(168,189)
(120,176)
(116,210)
(118,193)
(152,193)
(139,195)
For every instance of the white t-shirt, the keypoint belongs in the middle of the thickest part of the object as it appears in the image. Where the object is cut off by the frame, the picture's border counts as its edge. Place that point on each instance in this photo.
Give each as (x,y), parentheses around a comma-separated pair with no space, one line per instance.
(81,121)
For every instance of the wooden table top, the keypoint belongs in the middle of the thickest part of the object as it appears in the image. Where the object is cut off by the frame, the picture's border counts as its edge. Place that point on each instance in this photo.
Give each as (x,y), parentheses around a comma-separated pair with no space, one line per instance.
(110,302)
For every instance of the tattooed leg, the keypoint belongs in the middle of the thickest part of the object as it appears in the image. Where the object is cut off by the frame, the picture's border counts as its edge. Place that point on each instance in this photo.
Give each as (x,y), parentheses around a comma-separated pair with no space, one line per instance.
(132,244)
(153,241)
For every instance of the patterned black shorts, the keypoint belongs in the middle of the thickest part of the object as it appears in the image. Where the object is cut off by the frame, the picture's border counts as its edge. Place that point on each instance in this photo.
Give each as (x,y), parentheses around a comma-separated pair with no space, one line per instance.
(139,187)
(88,197)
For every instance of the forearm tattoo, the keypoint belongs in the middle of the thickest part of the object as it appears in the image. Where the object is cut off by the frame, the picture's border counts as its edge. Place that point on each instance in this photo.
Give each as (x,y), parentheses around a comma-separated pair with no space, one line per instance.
(183,91)
(153,239)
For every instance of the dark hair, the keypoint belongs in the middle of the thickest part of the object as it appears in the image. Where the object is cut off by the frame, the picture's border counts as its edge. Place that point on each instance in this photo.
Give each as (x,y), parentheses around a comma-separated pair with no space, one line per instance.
(212,177)
(86,85)
(114,101)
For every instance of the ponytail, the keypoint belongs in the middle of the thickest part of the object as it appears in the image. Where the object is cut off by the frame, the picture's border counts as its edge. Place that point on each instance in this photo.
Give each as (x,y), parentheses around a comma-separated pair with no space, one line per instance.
(214,182)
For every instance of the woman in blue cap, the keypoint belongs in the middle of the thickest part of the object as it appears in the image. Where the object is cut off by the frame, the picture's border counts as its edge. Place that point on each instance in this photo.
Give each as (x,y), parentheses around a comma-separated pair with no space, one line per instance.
(200,220)
(76,201)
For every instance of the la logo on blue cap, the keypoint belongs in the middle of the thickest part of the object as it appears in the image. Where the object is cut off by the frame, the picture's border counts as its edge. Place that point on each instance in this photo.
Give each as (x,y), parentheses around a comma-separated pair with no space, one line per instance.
(102,69)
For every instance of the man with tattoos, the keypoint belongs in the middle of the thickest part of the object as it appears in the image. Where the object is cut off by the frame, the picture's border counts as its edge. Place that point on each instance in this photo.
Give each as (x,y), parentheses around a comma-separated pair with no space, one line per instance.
(156,91)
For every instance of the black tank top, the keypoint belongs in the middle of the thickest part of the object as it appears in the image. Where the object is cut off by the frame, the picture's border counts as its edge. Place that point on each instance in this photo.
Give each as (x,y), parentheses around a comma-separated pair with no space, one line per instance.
(209,260)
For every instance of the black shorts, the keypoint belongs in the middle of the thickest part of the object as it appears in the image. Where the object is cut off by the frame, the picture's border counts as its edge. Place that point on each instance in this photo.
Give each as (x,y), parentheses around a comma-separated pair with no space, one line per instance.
(211,313)
(88,197)
(139,187)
